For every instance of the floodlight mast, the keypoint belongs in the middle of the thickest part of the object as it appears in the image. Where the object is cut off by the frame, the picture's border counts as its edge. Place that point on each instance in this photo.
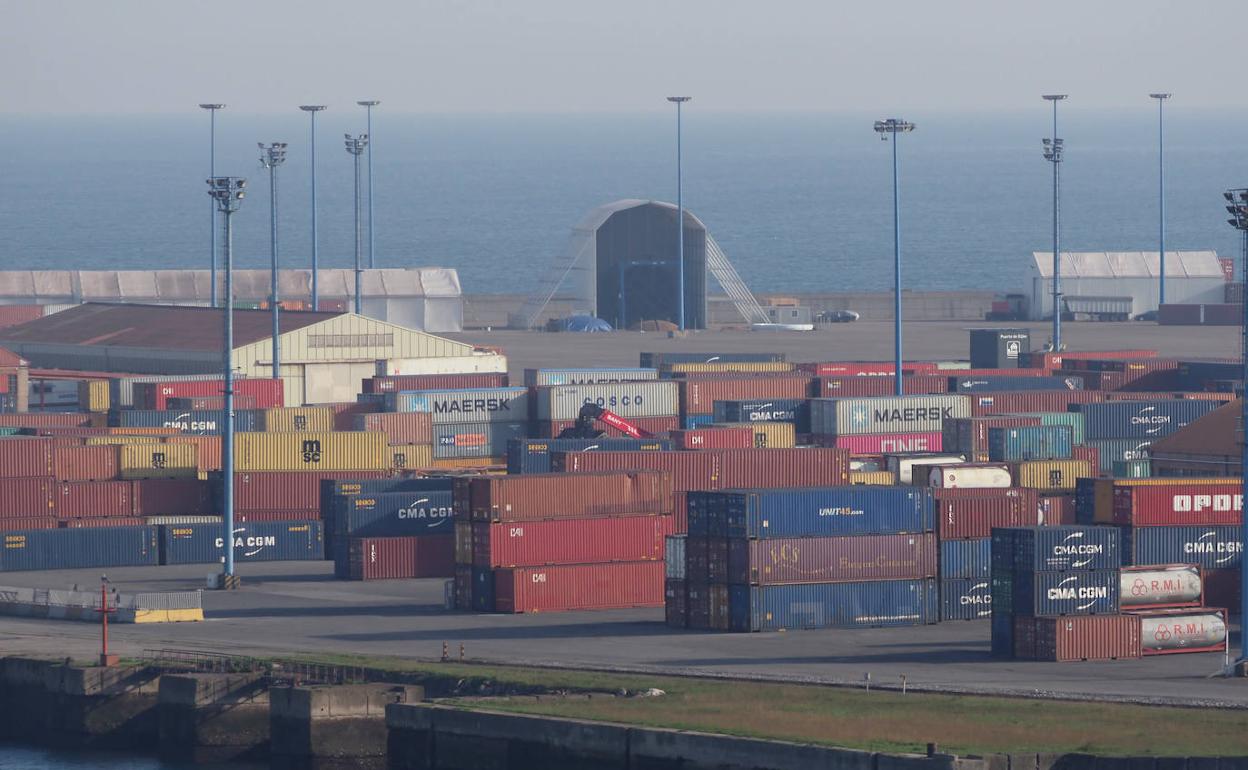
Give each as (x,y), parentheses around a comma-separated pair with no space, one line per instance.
(1053,154)
(1237,207)
(355,146)
(272,156)
(886,128)
(312,109)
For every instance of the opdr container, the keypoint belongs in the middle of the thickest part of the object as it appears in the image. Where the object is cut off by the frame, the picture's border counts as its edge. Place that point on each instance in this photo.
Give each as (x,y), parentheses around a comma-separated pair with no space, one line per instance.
(1200,502)
(1099,637)
(570,541)
(627,399)
(1056,549)
(1040,442)
(461,406)
(1141,419)
(966,558)
(158,461)
(907,414)
(579,587)
(481,439)
(965,599)
(76,548)
(837,605)
(311,451)
(537,377)
(1211,548)
(828,511)
(256,541)
(831,559)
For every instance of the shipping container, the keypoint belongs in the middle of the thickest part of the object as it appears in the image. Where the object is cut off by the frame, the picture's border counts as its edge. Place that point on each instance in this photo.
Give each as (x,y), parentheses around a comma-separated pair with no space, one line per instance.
(1098,637)
(655,426)
(883,443)
(406,456)
(207,422)
(1040,442)
(627,399)
(155,395)
(93,395)
(837,605)
(209,403)
(121,389)
(85,463)
(965,599)
(789,410)
(714,438)
(1162,585)
(570,541)
(1131,469)
(913,468)
(698,396)
(1045,594)
(399,427)
(158,461)
(259,490)
(717,367)
(970,476)
(539,377)
(242,517)
(650,360)
(208,457)
(1140,419)
(579,587)
(674,557)
(257,541)
(1110,451)
(464,406)
(826,512)
(393,514)
(401,382)
(675,604)
(907,414)
(863,368)
(831,559)
(388,558)
(26,497)
(970,559)
(534,455)
(77,548)
(971,383)
(974,513)
(298,419)
(1073,419)
(32,522)
(564,496)
(167,497)
(1052,474)
(969,435)
(1198,502)
(767,435)
(873,478)
(46,420)
(481,439)
(311,451)
(91,499)
(718,469)
(1210,548)
(985,404)
(109,521)
(1183,630)
(23,457)
(1056,549)
(851,386)
(1057,510)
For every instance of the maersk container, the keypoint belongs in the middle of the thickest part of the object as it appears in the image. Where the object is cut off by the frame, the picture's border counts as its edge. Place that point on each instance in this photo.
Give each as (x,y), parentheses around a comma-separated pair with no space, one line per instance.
(256,541)
(533,455)
(80,548)
(1046,594)
(538,377)
(835,605)
(393,514)
(481,439)
(464,406)
(829,559)
(627,399)
(979,384)
(1208,547)
(907,414)
(203,423)
(1056,549)
(1040,442)
(1073,419)
(910,468)
(965,599)
(1141,419)
(966,558)
(828,512)
(794,410)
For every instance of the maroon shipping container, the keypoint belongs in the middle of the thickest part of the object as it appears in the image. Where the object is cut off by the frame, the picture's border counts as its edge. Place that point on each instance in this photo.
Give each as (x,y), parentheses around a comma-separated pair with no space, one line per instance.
(680,513)
(22,456)
(1091,454)
(172,497)
(969,513)
(770,468)
(698,396)
(399,427)
(1177,505)
(345,412)
(400,382)
(579,587)
(983,404)
(155,395)
(1088,637)
(1094,380)
(122,521)
(297,515)
(714,438)
(45,420)
(655,426)
(1057,510)
(22,498)
(568,541)
(1024,637)
(50,522)
(387,558)
(287,490)
(1222,588)
(831,559)
(535,496)
(211,403)
(863,368)
(860,386)
(93,499)
(85,463)
(881,443)
(675,604)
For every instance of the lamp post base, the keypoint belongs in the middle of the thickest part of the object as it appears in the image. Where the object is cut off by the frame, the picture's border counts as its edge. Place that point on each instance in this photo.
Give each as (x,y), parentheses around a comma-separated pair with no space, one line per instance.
(108,660)
(219,581)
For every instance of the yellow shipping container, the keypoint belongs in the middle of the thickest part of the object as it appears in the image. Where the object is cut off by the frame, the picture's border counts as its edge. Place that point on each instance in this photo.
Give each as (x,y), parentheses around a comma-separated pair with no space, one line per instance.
(123,440)
(873,478)
(299,419)
(93,395)
(208,450)
(326,451)
(469,462)
(159,461)
(404,456)
(1052,474)
(730,366)
(767,435)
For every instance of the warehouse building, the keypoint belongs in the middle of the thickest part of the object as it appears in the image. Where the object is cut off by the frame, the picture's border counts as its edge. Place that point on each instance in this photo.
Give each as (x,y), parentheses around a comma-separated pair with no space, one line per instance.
(1104,278)
(324,356)
(425,298)
(1210,446)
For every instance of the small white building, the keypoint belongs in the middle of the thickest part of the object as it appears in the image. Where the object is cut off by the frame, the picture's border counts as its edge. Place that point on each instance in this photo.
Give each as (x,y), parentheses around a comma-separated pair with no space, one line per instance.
(1192,278)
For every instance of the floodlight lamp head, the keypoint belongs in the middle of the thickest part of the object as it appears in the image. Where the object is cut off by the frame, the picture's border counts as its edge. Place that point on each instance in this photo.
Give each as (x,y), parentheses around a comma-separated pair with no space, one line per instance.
(679,99)
(212,106)
(312,107)
(1159,96)
(1228,195)
(369,102)
(1053,97)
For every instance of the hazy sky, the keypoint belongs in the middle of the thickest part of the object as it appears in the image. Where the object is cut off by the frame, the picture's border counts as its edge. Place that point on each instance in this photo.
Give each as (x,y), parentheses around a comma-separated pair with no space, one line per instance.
(123,56)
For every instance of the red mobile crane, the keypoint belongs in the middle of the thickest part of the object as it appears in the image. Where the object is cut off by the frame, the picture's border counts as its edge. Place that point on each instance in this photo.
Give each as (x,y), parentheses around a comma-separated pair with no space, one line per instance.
(591,413)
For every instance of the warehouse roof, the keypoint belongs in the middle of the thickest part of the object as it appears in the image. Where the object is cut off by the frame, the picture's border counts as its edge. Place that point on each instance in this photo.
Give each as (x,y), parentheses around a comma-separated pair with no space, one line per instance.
(152,326)
(1130,264)
(1217,433)
(598,216)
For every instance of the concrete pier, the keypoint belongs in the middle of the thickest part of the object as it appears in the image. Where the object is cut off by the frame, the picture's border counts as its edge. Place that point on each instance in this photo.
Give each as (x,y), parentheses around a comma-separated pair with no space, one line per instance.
(214,718)
(332,727)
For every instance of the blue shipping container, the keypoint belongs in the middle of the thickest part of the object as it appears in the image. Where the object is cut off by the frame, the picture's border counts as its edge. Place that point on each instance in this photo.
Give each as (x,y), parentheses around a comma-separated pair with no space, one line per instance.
(1200,375)
(254,541)
(655,360)
(695,421)
(40,549)
(828,511)
(1046,594)
(794,410)
(1036,442)
(996,383)
(481,439)
(1119,449)
(393,514)
(1209,547)
(966,558)
(1002,634)
(838,605)
(528,455)
(1056,549)
(204,422)
(1140,419)
(965,599)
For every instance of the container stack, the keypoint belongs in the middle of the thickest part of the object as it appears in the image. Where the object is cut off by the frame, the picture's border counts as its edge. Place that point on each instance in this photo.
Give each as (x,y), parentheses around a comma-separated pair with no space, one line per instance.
(1123,430)
(653,406)
(880,425)
(470,427)
(389,528)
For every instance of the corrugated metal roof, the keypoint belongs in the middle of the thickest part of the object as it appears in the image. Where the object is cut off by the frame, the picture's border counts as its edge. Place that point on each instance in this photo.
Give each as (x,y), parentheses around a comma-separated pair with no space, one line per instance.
(1130,264)
(595,218)
(1215,434)
(153,326)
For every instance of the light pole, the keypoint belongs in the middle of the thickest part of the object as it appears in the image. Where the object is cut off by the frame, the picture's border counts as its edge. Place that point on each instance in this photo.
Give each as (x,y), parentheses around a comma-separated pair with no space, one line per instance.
(1237,207)
(212,209)
(272,156)
(886,128)
(680,213)
(355,146)
(1053,154)
(1161,193)
(369,104)
(227,193)
(312,109)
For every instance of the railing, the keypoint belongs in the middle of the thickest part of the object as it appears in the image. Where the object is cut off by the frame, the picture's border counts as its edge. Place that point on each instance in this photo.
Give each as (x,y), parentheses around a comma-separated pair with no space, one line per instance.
(276,669)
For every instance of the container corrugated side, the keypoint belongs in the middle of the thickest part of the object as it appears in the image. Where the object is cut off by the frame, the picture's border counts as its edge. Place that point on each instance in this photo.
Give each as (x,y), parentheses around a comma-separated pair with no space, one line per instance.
(905,414)
(1040,442)
(92,499)
(271,490)
(734,437)
(93,395)
(480,439)
(1141,419)
(207,450)
(1199,502)
(1211,548)
(859,386)
(255,541)
(800,467)
(1052,474)
(405,456)
(627,399)
(165,497)
(973,513)
(839,605)
(873,478)
(298,419)
(84,463)
(1073,419)
(568,496)
(311,451)
(469,405)
(689,470)
(715,367)
(789,410)
(158,461)
(674,557)
(675,603)
(829,512)
(80,548)
(831,559)
(206,422)
(883,443)
(399,427)
(26,497)
(22,456)
(698,396)
(570,541)
(538,377)
(534,455)
(1119,449)
(579,587)
(389,558)
(970,559)
(965,599)
(1103,637)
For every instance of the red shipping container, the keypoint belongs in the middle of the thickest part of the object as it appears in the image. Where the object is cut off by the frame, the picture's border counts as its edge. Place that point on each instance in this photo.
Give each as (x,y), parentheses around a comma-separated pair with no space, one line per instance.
(680,513)
(50,522)
(689,470)
(969,513)
(172,497)
(655,426)
(536,496)
(1177,505)
(1057,510)
(85,463)
(864,368)
(155,395)
(699,396)
(299,515)
(207,450)
(210,403)
(855,387)
(1055,360)
(400,382)
(1091,454)
(771,468)
(882,443)
(714,438)
(346,411)
(831,559)
(23,456)
(123,521)
(386,558)
(579,587)
(45,420)
(983,404)
(23,498)
(93,499)
(287,490)
(1088,637)
(399,427)
(569,541)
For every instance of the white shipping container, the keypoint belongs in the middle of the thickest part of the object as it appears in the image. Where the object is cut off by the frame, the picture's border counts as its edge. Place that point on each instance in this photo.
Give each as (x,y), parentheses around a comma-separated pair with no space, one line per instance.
(971,477)
(674,557)
(885,414)
(469,405)
(486,363)
(536,377)
(904,466)
(627,399)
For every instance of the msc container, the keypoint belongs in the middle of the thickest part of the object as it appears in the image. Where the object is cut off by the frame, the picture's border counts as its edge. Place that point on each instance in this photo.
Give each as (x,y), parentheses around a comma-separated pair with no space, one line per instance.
(26,497)
(1046,594)
(1052,474)
(1098,637)
(873,478)
(207,422)
(21,456)
(1056,549)
(974,513)
(674,557)
(627,399)
(401,382)
(969,435)
(393,514)
(1198,502)
(564,496)
(538,377)
(1141,419)
(789,410)
(388,558)
(971,559)
(93,395)
(910,469)
(907,414)
(172,497)
(1183,630)
(970,476)
(1210,548)
(481,439)
(579,587)
(698,396)
(965,599)
(406,456)
(73,500)
(883,443)
(80,548)
(828,512)
(399,427)
(569,541)
(208,456)
(298,419)
(714,438)
(831,559)
(158,461)
(999,348)
(837,605)
(766,435)
(255,541)
(534,455)
(311,451)
(85,463)
(1165,585)
(1040,442)
(468,405)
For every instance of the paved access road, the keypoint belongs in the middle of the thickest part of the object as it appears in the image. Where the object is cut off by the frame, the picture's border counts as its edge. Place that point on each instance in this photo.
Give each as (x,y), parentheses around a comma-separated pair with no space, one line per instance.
(298,606)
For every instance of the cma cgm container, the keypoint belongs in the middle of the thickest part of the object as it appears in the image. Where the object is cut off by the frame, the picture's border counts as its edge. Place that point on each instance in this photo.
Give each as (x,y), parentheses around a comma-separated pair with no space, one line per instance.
(831,559)
(399,427)
(388,558)
(827,512)
(627,399)
(480,439)
(966,558)
(1097,637)
(538,377)
(563,496)
(835,605)
(310,451)
(698,396)
(76,548)
(579,587)
(883,443)
(974,513)
(271,490)
(1211,548)
(907,414)
(1202,502)
(1039,442)
(1141,419)
(472,405)
(1038,594)
(1110,451)
(793,410)
(965,599)
(570,541)
(394,514)
(207,422)
(534,455)
(1056,549)
(254,541)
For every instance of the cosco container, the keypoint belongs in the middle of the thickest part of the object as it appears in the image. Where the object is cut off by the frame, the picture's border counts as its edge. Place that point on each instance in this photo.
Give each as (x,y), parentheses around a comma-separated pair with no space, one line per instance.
(836,605)
(1140,419)
(974,513)
(481,439)
(627,399)
(1040,442)
(579,587)
(828,512)
(966,558)
(790,410)
(569,541)
(911,468)
(1098,637)
(563,496)
(471,405)
(389,558)
(1202,502)
(534,455)
(698,396)
(1056,549)
(965,599)
(883,443)
(907,414)
(1052,474)
(1211,548)
(298,419)
(1164,585)
(256,541)
(394,514)
(207,422)
(158,461)
(1042,594)
(831,559)
(399,427)
(538,377)
(80,548)
(310,451)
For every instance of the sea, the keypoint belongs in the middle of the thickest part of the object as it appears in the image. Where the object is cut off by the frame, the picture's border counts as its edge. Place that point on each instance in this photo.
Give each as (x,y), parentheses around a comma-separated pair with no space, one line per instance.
(30,758)
(798,201)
